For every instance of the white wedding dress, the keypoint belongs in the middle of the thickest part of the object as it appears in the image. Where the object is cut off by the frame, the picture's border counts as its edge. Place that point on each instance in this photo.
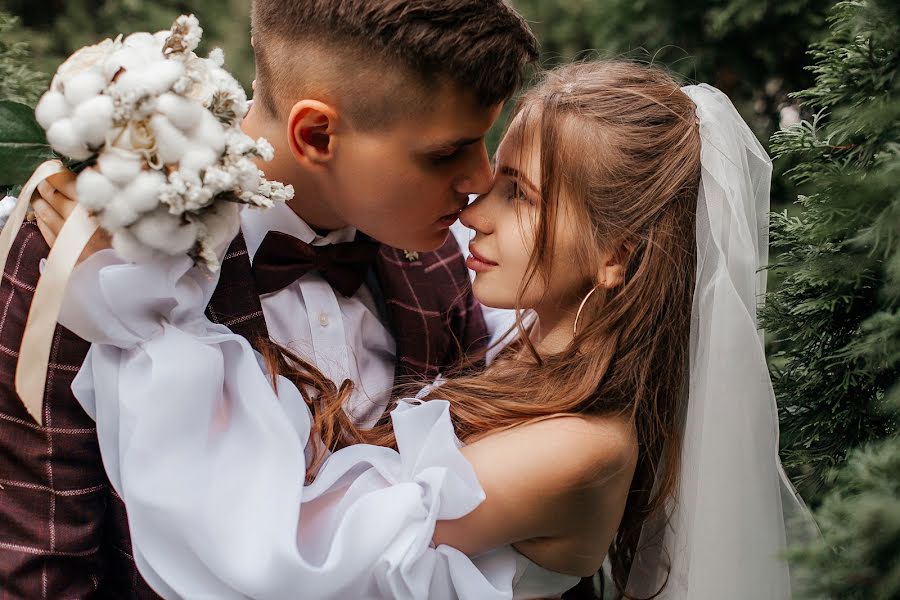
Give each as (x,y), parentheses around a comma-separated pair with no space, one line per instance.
(211,462)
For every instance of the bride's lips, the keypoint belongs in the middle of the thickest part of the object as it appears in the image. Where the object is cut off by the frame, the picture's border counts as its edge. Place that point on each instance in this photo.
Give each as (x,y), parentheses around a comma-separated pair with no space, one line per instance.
(478,263)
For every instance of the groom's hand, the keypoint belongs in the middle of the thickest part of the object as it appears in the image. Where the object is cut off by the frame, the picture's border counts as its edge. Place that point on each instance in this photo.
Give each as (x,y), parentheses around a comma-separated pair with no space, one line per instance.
(56,201)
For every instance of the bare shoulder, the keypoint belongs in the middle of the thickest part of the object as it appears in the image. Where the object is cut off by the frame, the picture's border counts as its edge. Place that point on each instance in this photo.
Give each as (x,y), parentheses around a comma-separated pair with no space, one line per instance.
(565,451)
(557,478)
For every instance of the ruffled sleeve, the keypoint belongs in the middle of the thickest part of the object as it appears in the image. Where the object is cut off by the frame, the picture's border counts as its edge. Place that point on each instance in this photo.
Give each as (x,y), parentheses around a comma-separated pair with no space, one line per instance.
(209,459)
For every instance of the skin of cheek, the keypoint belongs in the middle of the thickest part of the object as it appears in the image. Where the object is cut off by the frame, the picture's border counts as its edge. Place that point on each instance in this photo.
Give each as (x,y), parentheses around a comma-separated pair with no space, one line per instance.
(513,242)
(381,191)
(385,186)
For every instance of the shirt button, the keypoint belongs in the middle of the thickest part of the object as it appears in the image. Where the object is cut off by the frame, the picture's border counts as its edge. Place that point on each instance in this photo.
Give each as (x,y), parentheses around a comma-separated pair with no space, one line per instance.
(323,319)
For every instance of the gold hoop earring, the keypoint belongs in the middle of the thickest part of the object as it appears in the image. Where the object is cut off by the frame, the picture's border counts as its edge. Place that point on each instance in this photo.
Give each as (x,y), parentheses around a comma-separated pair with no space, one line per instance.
(581,307)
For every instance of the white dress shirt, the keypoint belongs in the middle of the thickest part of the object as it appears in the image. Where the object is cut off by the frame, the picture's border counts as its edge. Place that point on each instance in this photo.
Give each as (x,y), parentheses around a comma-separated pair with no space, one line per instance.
(344,338)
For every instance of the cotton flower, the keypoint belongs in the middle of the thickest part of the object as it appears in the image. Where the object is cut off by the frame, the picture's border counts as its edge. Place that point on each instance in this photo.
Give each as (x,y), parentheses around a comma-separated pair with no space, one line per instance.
(185,36)
(94,118)
(218,227)
(165,232)
(184,114)
(173,167)
(120,166)
(52,108)
(83,86)
(248,174)
(170,142)
(129,247)
(142,194)
(218,179)
(94,190)
(118,214)
(238,143)
(217,57)
(151,79)
(64,137)
(198,158)
(264,149)
(210,132)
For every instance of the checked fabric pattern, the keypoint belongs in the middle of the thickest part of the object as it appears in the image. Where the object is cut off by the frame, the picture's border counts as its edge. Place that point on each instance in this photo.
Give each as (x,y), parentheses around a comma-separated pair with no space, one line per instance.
(63,529)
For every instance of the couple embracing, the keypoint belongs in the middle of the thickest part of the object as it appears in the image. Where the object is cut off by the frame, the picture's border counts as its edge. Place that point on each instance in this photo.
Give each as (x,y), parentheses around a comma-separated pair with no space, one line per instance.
(340,413)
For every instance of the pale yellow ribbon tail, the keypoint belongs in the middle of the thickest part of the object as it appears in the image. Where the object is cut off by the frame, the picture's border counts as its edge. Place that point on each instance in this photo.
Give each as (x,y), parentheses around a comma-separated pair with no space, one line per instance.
(34,354)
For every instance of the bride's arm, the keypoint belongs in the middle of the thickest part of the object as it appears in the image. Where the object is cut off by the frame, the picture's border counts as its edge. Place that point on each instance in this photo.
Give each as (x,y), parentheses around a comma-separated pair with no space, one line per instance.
(552,480)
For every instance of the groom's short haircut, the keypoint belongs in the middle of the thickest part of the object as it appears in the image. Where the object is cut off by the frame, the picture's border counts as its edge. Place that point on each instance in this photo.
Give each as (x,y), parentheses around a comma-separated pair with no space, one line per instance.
(378,59)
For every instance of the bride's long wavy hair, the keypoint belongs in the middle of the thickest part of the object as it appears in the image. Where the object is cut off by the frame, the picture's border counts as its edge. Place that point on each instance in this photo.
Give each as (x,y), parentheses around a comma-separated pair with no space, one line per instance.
(622,141)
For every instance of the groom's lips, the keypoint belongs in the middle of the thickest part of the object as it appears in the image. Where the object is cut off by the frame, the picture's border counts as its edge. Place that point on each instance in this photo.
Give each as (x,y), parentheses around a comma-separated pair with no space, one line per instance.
(449,219)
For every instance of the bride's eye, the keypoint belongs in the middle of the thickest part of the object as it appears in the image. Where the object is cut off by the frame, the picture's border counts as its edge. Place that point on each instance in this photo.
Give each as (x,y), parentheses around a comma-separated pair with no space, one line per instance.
(516,193)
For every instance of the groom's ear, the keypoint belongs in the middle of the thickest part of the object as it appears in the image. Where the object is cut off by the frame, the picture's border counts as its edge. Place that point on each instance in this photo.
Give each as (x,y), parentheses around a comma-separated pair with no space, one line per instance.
(311,131)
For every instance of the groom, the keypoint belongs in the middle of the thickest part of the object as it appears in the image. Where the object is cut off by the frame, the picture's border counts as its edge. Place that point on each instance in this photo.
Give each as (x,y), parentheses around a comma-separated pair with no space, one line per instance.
(377,110)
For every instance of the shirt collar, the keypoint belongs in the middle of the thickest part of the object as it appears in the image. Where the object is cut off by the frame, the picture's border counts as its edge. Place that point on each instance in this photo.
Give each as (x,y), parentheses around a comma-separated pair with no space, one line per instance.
(256,223)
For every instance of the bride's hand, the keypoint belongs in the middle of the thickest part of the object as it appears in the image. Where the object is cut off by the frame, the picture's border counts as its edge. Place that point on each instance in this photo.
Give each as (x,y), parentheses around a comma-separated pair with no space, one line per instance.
(55,204)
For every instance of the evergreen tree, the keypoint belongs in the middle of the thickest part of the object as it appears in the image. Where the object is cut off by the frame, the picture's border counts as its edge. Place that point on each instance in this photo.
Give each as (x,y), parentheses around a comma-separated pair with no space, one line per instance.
(835,317)
(753,50)
(19,81)
(56,28)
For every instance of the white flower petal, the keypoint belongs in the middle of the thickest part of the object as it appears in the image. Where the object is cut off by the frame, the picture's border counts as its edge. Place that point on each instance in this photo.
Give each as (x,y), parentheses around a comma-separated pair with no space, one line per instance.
(85,59)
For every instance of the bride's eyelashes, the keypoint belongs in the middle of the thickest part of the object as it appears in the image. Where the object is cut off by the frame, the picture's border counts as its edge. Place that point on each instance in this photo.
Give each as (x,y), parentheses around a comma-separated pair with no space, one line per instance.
(516,193)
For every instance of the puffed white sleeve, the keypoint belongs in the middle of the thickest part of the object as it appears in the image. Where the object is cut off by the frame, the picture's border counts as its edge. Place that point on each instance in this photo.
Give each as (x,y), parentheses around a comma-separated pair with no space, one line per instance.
(210,462)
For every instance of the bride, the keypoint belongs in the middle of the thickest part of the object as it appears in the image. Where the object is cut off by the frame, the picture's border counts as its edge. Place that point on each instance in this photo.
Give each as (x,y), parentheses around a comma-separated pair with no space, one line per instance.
(632,419)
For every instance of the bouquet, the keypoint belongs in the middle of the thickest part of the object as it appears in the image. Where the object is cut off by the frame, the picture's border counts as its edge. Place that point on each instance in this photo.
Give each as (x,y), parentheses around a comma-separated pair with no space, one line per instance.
(154,132)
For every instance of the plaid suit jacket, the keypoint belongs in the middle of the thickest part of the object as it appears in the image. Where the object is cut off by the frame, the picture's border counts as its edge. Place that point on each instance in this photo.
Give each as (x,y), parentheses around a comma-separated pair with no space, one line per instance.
(63,529)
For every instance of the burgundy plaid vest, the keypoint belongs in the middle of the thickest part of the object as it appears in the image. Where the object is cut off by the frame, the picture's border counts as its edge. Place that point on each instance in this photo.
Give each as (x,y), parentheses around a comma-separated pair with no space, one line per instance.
(63,530)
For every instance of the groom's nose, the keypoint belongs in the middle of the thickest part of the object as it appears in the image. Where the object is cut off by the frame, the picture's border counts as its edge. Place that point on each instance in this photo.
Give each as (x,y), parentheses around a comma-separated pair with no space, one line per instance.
(477,175)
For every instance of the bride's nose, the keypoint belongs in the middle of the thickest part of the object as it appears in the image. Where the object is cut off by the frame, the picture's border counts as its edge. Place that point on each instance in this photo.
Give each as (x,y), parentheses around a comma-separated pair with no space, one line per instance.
(477,216)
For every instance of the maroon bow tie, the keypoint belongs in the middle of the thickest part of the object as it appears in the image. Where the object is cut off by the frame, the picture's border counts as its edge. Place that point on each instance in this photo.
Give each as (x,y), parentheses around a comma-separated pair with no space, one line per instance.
(283,259)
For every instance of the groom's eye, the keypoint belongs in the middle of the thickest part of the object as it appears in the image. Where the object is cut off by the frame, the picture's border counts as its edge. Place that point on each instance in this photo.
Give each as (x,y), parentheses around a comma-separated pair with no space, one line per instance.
(448,156)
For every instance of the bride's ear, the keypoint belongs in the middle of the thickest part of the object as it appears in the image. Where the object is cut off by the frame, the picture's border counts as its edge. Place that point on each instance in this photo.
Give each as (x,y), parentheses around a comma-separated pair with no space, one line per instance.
(311,132)
(615,264)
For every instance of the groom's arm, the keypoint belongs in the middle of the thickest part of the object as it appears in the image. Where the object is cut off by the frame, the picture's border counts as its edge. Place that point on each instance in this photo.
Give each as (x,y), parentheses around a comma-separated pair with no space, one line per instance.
(54,489)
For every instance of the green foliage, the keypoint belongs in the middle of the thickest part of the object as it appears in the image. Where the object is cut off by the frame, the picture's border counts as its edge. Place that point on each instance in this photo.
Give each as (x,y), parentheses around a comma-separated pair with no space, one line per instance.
(835,318)
(18,81)
(56,28)
(23,145)
(859,556)
(753,50)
